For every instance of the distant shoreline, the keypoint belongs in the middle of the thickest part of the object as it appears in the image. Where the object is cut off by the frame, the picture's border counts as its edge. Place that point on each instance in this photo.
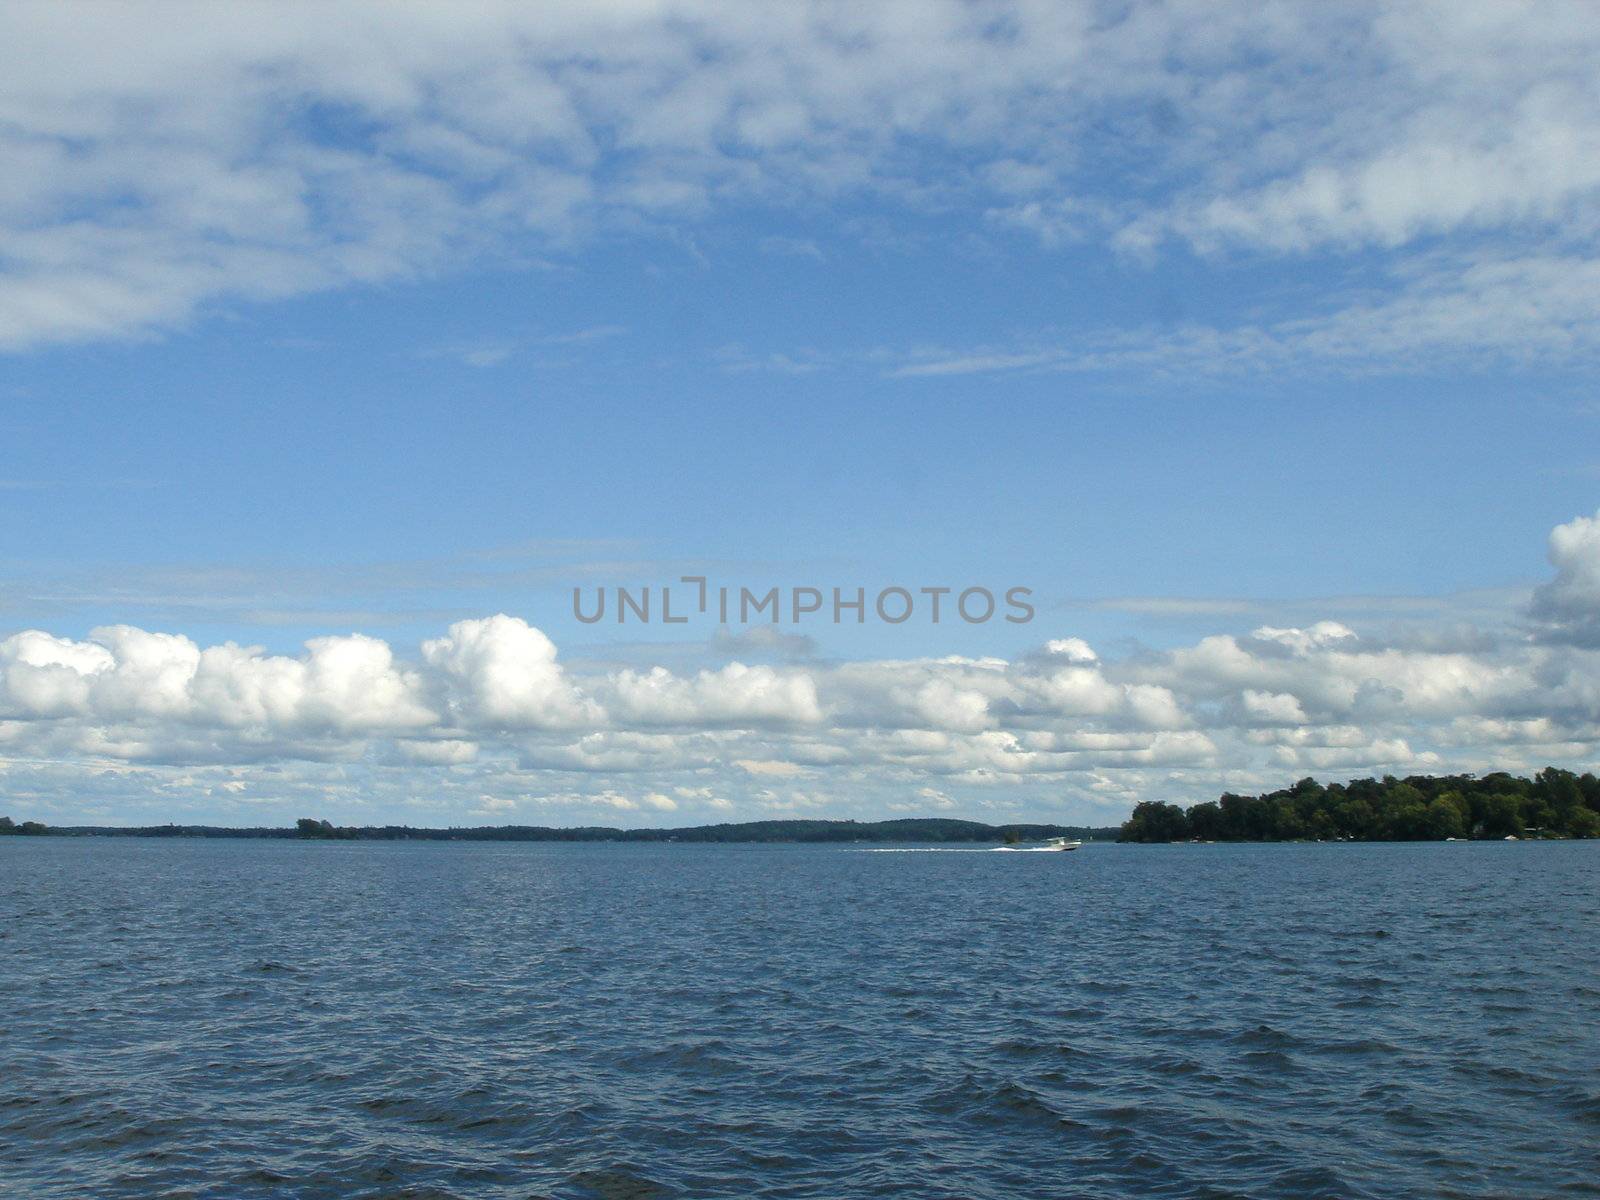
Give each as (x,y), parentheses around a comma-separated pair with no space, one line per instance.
(1419,808)
(932,829)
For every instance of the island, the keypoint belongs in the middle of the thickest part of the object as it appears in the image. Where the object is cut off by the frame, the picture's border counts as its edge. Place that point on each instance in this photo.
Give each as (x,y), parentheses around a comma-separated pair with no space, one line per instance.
(1554,803)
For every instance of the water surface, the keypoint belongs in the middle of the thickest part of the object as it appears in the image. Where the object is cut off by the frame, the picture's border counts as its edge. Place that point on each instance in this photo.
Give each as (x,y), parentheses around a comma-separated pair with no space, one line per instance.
(256,1018)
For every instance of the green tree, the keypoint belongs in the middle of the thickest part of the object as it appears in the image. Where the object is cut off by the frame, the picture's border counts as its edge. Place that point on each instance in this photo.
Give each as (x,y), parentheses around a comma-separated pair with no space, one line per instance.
(1537,814)
(1502,815)
(1234,824)
(1583,823)
(1205,821)
(1589,784)
(1356,819)
(1286,824)
(1406,821)
(1416,808)
(1559,789)
(1463,807)
(1445,818)
(1155,821)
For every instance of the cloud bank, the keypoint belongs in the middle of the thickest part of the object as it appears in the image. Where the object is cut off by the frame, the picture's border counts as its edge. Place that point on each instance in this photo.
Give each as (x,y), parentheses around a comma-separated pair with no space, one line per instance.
(485,719)
(165,159)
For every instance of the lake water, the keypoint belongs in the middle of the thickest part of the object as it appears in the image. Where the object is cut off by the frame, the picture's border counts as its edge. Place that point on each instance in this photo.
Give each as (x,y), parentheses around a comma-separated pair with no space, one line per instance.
(237,1019)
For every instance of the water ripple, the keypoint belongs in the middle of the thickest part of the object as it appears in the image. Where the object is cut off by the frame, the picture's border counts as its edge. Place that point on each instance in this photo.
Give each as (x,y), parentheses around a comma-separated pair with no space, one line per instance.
(590,1022)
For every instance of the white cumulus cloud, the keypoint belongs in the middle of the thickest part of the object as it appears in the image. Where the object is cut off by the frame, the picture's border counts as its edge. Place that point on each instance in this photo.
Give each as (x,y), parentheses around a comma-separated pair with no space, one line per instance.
(145,718)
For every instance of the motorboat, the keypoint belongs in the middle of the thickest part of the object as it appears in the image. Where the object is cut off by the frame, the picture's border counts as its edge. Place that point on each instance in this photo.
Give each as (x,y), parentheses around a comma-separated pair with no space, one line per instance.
(1055,843)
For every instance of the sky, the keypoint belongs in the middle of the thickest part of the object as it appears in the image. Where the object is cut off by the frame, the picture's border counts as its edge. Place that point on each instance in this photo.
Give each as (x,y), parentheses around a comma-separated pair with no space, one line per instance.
(341,345)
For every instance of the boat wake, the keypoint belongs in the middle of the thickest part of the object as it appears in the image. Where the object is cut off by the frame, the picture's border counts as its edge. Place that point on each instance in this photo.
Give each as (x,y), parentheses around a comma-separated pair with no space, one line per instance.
(957,849)
(1028,849)
(925,849)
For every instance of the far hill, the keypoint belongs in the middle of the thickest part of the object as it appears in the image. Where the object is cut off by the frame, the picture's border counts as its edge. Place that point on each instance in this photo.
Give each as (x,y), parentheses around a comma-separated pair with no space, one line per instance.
(911,829)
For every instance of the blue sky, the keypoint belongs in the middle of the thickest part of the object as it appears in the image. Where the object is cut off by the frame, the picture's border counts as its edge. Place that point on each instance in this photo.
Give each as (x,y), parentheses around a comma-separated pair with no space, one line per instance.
(358,329)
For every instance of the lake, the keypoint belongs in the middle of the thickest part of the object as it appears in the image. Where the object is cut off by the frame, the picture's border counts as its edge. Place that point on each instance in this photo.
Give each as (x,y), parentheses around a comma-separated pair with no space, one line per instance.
(305,1019)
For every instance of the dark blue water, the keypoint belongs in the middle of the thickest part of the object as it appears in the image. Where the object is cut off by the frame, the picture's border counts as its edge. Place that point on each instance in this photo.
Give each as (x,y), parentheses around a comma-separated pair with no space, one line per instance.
(235,1019)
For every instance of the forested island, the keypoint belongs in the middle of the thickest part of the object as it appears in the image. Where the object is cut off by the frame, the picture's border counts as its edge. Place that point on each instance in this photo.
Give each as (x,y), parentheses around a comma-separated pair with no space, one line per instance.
(307,828)
(1554,803)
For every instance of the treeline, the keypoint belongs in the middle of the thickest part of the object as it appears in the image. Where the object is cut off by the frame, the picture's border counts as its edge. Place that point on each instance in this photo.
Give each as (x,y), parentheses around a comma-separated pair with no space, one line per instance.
(933,829)
(1554,803)
(8,827)
(936,829)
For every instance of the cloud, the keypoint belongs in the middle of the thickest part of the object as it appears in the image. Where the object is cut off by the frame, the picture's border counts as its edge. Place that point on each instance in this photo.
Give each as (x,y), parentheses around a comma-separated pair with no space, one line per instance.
(762,640)
(1496,123)
(487,710)
(502,672)
(444,752)
(1273,708)
(342,686)
(780,770)
(480,354)
(350,594)
(792,247)
(484,352)
(169,159)
(1568,607)
(736,360)
(1489,308)
(733,695)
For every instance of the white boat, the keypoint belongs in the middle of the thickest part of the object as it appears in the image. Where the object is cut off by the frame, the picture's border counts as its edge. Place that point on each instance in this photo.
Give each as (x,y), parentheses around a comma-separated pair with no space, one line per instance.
(1055,843)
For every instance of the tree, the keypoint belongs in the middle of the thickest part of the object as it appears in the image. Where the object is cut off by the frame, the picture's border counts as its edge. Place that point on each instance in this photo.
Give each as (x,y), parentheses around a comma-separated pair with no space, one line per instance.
(1583,823)
(1406,821)
(1502,815)
(1442,822)
(1537,814)
(1205,821)
(1234,824)
(1398,796)
(1559,789)
(1355,818)
(1288,823)
(1416,808)
(1155,821)
(1445,818)
(1589,784)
